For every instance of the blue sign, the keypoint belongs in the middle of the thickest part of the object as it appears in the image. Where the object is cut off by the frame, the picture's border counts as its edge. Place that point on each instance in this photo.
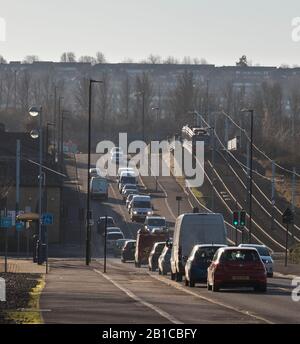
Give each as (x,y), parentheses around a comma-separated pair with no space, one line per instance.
(6,222)
(19,226)
(47,219)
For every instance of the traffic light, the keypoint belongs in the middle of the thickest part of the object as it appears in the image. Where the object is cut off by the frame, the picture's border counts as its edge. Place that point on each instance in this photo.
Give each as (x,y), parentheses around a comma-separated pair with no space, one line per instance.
(242,218)
(235,218)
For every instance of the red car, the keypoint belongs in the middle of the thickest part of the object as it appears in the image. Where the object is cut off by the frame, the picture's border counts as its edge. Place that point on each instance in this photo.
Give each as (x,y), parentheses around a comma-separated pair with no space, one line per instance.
(237,267)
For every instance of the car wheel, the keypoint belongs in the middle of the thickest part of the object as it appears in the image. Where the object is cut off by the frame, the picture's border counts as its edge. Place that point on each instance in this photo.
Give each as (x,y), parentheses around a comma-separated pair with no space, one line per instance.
(215,288)
(178,277)
(261,288)
(172,276)
(123,260)
(186,282)
(191,284)
(208,286)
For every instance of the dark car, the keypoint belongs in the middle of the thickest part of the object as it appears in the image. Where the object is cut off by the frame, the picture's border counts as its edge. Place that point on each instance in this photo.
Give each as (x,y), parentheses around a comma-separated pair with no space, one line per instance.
(237,267)
(128,251)
(154,255)
(119,244)
(198,262)
(101,224)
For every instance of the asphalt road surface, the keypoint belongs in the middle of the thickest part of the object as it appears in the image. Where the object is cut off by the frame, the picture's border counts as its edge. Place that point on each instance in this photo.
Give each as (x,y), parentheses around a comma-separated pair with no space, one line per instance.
(75,293)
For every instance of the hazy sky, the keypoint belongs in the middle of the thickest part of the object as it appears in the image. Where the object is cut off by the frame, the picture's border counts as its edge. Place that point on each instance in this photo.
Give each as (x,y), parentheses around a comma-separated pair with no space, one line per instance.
(219,31)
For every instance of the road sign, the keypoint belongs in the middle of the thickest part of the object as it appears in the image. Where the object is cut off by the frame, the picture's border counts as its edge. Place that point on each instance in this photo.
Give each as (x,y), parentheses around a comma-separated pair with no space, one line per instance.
(6,222)
(288,216)
(47,219)
(19,226)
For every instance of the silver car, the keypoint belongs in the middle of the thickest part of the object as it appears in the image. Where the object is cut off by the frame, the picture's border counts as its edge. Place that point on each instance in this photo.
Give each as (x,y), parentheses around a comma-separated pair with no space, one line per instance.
(265,257)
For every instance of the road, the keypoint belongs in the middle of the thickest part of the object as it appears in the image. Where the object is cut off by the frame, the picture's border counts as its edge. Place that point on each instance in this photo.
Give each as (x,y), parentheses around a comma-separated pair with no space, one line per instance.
(75,293)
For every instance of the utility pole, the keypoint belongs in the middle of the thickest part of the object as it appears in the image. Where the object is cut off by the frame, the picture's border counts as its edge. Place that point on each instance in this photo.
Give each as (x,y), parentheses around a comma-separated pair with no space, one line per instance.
(273,194)
(213,165)
(293,196)
(143,120)
(88,212)
(18,159)
(207,101)
(55,125)
(251,112)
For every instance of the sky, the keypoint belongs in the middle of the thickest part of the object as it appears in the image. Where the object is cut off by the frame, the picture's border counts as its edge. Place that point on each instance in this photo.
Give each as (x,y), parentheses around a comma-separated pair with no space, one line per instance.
(219,31)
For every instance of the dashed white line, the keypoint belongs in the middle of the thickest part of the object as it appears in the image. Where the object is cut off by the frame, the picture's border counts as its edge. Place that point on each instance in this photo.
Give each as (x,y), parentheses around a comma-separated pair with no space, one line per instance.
(129,293)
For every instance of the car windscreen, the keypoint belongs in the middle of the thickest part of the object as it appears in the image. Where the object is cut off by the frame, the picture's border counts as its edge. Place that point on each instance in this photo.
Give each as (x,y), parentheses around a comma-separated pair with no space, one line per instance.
(142,204)
(263,251)
(241,256)
(99,184)
(114,236)
(110,222)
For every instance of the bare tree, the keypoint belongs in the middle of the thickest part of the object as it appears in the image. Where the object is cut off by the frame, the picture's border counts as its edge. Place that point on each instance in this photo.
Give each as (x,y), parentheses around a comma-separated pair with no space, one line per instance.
(68,57)
(242,61)
(2,60)
(87,59)
(154,59)
(171,60)
(30,59)
(100,57)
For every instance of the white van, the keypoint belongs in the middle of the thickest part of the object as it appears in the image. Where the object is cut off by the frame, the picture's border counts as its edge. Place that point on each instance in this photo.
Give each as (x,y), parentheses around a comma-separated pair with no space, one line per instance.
(127,178)
(141,207)
(193,229)
(99,188)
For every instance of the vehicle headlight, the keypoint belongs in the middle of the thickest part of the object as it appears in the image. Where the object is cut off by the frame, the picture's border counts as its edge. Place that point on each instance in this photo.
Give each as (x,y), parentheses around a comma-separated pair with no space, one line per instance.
(135,212)
(150,212)
(267,261)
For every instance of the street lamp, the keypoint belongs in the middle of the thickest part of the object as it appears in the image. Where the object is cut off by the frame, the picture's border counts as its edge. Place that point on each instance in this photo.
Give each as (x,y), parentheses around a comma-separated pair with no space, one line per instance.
(251,111)
(157,109)
(88,212)
(34,112)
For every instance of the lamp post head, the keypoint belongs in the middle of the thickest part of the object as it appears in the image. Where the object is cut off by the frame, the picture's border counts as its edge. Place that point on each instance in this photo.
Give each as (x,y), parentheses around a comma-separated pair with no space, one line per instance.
(34,111)
(34,134)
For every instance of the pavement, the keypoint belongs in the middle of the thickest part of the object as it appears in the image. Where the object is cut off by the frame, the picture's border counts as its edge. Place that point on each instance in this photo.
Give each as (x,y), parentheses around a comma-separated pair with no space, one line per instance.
(25,266)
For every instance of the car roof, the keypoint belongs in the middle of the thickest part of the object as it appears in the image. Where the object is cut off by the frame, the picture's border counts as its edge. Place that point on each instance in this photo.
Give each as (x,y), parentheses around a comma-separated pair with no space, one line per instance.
(142,197)
(210,245)
(251,245)
(103,217)
(110,227)
(156,217)
(237,248)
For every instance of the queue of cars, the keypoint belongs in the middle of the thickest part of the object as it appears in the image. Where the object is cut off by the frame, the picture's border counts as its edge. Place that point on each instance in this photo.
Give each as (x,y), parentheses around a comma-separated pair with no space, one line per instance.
(197,250)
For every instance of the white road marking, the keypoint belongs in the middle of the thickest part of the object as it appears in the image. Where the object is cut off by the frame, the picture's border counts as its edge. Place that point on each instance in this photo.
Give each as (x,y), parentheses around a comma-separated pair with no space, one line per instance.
(181,288)
(162,313)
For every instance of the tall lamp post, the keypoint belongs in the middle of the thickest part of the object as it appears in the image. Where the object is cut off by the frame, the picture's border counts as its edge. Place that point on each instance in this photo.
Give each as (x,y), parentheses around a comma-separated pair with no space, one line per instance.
(251,111)
(34,112)
(88,212)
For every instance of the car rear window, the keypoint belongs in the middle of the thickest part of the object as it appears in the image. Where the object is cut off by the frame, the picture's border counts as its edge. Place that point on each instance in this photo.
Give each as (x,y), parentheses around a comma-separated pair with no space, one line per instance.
(156,222)
(114,236)
(240,256)
(206,253)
